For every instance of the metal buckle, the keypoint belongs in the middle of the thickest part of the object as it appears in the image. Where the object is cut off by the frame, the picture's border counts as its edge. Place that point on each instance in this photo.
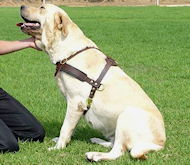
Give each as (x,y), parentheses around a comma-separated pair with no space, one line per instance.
(63,61)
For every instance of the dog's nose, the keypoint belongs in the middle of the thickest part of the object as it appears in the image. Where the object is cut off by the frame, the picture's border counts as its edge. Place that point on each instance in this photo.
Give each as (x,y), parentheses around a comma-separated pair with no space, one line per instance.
(22,7)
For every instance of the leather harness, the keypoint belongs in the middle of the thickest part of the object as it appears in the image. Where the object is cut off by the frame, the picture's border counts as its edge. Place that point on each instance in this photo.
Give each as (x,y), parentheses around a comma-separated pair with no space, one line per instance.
(74,72)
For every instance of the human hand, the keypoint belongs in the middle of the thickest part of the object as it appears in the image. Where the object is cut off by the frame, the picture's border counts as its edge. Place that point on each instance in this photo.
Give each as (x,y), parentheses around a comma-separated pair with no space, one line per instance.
(31,43)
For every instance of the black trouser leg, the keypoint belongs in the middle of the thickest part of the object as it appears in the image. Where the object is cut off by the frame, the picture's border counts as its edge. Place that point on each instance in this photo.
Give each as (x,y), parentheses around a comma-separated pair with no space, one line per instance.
(8,142)
(19,120)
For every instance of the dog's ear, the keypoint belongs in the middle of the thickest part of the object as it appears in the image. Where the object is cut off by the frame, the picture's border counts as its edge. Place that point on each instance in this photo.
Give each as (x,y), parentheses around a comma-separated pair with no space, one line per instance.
(61,23)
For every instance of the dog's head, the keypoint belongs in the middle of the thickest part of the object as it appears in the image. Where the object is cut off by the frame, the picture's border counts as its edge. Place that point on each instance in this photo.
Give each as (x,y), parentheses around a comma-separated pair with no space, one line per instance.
(47,23)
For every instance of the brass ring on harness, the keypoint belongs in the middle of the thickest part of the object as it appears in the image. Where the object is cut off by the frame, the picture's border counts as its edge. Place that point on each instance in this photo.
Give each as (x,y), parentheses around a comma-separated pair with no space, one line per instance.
(101,88)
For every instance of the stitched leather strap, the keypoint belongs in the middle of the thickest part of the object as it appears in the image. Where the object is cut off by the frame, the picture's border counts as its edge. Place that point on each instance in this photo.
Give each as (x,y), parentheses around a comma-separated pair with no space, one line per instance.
(59,64)
(74,72)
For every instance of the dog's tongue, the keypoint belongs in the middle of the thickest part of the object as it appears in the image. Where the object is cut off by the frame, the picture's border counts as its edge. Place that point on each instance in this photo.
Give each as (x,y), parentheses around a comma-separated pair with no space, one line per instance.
(28,24)
(19,24)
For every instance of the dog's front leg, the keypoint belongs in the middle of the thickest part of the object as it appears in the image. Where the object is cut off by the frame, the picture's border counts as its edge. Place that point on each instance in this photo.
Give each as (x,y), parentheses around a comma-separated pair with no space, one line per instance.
(72,117)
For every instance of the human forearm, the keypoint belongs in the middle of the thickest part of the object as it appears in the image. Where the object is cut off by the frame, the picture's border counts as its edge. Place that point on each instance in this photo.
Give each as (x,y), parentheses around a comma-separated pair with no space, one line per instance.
(12,46)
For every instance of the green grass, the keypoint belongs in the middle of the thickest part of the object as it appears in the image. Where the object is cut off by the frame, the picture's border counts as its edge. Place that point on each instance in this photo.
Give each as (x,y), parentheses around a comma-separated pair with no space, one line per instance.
(151,44)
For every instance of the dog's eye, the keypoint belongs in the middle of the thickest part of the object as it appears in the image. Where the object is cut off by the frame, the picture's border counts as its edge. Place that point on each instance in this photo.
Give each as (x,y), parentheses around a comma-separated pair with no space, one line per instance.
(42,7)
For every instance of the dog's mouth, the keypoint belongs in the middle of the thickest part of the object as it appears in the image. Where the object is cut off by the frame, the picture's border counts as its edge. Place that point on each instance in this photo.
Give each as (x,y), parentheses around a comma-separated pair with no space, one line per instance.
(29,24)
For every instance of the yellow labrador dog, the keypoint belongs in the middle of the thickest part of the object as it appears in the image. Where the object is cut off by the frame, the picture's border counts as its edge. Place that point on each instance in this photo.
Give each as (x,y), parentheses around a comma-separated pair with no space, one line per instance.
(119,108)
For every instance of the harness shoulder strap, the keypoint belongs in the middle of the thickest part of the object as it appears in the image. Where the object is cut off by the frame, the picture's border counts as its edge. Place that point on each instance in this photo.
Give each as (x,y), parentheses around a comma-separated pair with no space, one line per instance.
(109,62)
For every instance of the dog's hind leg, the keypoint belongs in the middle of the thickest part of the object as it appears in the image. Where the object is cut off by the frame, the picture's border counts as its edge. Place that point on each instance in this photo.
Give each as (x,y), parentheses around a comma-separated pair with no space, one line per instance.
(143,131)
(101,142)
(133,132)
(115,153)
(118,146)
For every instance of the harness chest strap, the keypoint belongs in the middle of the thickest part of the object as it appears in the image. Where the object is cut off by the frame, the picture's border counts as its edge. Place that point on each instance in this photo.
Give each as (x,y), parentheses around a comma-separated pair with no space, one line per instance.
(74,72)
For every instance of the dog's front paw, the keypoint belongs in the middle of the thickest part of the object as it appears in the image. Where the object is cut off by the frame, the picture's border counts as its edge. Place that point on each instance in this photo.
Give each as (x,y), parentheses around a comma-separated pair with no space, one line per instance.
(59,145)
(93,156)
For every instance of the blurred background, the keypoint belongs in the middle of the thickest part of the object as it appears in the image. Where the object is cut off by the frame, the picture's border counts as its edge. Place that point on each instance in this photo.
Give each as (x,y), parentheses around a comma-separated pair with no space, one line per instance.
(98,2)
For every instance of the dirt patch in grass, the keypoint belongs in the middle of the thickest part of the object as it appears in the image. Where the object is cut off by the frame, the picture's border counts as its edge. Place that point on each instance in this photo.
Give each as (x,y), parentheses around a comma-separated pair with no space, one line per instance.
(81,3)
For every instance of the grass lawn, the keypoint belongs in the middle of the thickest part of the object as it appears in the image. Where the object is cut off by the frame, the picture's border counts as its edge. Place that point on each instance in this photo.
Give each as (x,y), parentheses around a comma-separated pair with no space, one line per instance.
(152,44)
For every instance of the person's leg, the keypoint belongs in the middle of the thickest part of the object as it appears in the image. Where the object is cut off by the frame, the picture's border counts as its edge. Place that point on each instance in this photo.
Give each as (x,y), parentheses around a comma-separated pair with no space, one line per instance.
(8,142)
(21,122)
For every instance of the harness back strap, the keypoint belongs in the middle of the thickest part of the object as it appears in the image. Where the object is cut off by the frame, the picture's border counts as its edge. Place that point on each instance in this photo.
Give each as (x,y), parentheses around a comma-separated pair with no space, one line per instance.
(74,72)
